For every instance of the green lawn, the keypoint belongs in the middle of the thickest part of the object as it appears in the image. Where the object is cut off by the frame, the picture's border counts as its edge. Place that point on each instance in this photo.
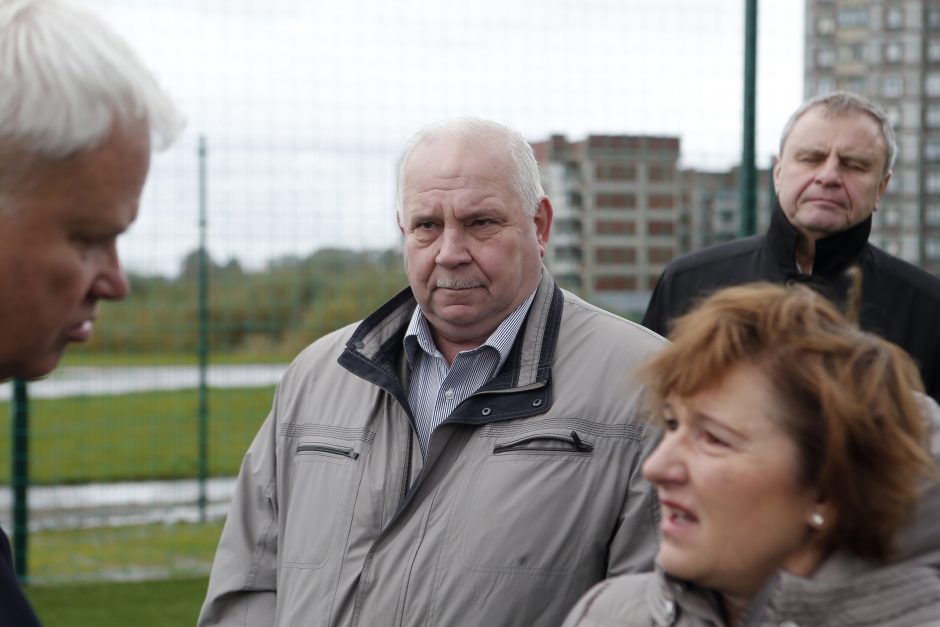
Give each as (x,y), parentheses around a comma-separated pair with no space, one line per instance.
(92,576)
(153,551)
(167,603)
(82,356)
(141,436)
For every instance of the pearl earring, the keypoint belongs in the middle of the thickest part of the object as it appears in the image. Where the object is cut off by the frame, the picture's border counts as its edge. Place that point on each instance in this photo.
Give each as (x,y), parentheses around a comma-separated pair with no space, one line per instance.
(816,519)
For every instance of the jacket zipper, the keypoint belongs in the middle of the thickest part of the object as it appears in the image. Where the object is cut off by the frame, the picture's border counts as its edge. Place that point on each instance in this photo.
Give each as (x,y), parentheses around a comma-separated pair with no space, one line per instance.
(345,451)
(574,438)
(367,562)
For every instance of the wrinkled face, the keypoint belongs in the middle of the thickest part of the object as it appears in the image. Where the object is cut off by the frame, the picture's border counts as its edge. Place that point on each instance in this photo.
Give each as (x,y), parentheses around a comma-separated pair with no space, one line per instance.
(471,254)
(831,175)
(726,474)
(58,235)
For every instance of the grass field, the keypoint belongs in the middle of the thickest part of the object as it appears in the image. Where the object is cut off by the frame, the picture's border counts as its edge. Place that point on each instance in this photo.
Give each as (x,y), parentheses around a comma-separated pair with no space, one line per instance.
(140,436)
(167,603)
(82,356)
(122,553)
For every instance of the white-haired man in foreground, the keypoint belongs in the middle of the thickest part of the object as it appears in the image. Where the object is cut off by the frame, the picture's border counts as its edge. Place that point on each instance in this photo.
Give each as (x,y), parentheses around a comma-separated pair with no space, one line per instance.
(78,113)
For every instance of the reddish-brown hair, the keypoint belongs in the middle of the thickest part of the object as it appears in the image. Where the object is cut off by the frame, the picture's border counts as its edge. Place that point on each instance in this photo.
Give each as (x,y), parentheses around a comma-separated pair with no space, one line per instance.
(845,398)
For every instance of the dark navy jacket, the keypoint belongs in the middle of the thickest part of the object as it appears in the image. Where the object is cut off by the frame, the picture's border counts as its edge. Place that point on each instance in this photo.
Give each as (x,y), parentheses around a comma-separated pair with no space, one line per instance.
(14,608)
(900,302)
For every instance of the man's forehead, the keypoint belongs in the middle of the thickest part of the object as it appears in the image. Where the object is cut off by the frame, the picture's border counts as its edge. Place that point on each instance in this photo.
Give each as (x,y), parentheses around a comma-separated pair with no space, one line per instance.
(858,119)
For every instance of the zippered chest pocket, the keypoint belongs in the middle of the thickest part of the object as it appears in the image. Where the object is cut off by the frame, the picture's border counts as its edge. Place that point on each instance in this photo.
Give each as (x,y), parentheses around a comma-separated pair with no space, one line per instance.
(318,494)
(522,512)
(314,448)
(569,442)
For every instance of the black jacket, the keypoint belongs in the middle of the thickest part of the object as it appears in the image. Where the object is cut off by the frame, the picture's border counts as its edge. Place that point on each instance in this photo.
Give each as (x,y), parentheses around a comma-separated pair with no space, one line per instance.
(900,302)
(14,608)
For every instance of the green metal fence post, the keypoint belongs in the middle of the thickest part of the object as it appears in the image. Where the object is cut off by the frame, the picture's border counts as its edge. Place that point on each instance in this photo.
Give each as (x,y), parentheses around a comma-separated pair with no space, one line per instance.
(20,478)
(748,190)
(203,332)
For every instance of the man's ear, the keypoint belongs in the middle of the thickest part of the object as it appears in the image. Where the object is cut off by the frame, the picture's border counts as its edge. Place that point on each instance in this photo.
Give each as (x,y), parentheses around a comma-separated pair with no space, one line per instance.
(883,187)
(777,175)
(543,223)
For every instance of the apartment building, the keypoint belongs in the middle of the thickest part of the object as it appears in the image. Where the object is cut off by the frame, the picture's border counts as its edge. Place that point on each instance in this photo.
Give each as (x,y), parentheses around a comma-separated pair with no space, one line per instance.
(616,200)
(624,209)
(889,51)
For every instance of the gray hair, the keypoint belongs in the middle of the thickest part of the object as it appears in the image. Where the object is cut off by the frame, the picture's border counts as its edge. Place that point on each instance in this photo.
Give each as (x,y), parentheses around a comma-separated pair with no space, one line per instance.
(524,178)
(67,78)
(840,103)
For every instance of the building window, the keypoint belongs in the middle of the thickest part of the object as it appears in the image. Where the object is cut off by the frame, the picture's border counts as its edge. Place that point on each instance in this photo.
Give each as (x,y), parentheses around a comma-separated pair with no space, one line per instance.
(615,227)
(825,57)
(852,52)
(825,85)
(894,115)
(614,283)
(933,18)
(892,86)
(660,172)
(932,84)
(659,227)
(566,227)
(657,254)
(933,116)
(894,18)
(855,84)
(615,255)
(932,214)
(615,172)
(615,201)
(661,201)
(825,25)
(932,149)
(905,182)
(853,17)
(933,183)
(932,248)
(933,49)
(568,253)
(893,52)
(891,217)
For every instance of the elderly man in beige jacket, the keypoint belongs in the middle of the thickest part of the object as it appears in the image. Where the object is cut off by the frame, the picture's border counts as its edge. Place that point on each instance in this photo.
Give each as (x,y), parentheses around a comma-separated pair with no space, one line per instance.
(467,455)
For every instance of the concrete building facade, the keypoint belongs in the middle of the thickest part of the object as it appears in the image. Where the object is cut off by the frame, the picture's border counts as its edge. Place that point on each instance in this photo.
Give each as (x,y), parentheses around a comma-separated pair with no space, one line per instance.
(889,51)
(624,209)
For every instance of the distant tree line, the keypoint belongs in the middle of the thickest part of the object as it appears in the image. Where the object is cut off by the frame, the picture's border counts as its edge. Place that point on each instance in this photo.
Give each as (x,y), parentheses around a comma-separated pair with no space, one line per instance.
(277,310)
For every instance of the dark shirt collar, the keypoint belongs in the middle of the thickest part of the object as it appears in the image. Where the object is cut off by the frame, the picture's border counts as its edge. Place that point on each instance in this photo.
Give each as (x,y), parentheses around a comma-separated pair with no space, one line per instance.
(834,253)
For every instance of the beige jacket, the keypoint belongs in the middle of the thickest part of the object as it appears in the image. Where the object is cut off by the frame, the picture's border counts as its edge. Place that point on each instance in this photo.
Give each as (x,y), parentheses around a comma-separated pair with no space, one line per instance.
(530,493)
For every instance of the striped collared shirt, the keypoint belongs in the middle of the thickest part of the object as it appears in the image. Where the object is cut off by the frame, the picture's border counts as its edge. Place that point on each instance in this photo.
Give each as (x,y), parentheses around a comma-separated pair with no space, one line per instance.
(437,389)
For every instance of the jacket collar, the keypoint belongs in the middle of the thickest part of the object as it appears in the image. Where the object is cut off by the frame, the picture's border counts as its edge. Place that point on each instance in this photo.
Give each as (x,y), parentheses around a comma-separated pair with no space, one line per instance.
(834,253)
(374,352)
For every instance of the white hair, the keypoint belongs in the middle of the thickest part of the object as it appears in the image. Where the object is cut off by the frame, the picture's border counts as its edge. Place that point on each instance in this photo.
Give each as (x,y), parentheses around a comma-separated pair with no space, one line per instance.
(524,177)
(67,79)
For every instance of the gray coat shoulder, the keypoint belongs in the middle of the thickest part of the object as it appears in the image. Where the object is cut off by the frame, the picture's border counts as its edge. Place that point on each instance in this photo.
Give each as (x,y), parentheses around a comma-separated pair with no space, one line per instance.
(615,602)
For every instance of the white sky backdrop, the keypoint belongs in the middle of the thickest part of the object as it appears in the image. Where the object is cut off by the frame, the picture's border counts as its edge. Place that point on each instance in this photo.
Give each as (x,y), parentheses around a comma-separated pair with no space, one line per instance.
(306,103)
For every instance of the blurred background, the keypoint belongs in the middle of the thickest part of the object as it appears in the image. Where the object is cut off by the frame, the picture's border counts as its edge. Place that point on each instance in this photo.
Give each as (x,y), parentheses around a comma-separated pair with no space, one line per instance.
(272,221)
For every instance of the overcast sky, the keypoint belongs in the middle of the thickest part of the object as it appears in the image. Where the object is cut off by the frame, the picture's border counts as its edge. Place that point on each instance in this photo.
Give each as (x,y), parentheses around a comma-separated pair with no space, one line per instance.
(306,103)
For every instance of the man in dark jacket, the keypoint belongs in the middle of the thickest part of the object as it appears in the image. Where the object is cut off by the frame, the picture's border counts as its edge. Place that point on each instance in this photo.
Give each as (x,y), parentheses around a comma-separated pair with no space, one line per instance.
(836,155)
(77,112)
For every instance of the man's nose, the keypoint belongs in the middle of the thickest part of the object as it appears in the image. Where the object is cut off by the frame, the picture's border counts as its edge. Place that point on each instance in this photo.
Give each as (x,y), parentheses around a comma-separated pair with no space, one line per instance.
(110,282)
(829,172)
(453,249)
